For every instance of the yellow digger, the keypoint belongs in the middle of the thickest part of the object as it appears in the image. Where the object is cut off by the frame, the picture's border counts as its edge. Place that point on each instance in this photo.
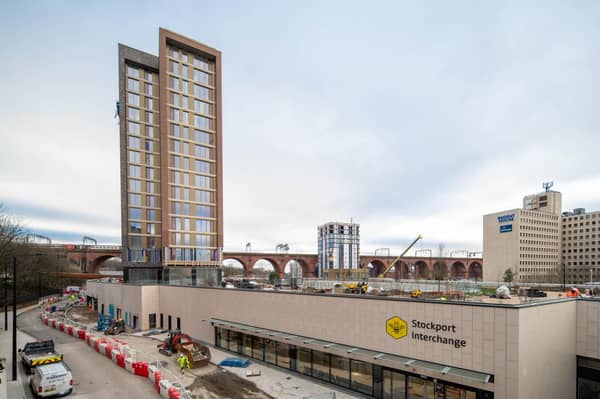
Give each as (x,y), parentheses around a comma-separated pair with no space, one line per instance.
(359,287)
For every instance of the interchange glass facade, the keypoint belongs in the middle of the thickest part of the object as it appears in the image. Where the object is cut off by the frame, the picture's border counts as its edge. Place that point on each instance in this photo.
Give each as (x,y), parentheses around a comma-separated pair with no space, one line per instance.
(367,378)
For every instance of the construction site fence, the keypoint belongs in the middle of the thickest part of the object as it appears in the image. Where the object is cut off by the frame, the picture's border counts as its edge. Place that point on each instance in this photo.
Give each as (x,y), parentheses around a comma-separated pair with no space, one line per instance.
(469,287)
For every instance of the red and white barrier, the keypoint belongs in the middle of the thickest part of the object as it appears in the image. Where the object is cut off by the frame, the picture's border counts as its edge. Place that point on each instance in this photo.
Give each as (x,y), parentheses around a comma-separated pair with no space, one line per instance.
(129,364)
(119,352)
(164,386)
(174,393)
(141,369)
(152,369)
(114,354)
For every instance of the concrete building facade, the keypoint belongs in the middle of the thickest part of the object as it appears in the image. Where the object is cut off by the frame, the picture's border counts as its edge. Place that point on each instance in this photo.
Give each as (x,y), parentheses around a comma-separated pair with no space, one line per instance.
(527,241)
(388,347)
(171,162)
(581,246)
(338,246)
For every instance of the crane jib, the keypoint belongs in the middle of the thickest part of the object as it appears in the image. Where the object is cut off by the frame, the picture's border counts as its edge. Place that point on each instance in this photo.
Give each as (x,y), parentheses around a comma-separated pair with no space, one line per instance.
(387,269)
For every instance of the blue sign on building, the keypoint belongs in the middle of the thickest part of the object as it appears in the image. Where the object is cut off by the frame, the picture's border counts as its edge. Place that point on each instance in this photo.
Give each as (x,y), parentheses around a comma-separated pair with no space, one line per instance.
(506,218)
(507,228)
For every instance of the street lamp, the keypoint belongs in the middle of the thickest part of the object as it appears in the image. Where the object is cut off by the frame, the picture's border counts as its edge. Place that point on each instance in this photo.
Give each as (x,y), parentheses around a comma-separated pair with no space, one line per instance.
(14,323)
(5,277)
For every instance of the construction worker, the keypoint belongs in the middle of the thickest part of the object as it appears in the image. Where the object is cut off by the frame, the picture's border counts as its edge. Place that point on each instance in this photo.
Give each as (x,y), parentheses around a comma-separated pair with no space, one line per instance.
(183,362)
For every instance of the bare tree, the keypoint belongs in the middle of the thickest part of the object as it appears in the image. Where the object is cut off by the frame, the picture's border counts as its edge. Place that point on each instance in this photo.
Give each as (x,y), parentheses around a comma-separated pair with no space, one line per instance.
(11,230)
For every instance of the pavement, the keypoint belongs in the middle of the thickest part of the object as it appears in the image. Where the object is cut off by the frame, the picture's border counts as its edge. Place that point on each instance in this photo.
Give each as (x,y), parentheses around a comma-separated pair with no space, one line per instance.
(15,389)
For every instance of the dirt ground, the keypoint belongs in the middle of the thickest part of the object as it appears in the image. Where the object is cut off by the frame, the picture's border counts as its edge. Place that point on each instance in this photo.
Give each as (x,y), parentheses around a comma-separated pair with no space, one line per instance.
(223,384)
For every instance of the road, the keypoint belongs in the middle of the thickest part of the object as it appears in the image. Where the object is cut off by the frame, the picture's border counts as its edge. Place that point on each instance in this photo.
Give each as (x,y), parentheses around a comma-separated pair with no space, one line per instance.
(94,376)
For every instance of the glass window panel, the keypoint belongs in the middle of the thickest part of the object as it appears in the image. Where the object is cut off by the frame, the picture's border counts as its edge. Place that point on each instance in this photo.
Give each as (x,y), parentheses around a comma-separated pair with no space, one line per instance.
(149,131)
(419,388)
(151,201)
(133,99)
(234,338)
(283,355)
(133,128)
(135,199)
(303,364)
(201,92)
(201,77)
(135,213)
(270,351)
(204,196)
(258,344)
(340,370)
(135,185)
(184,87)
(133,113)
(133,84)
(203,137)
(148,89)
(247,345)
(135,227)
(131,71)
(362,377)
(174,66)
(320,367)
(222,338)
(201,63)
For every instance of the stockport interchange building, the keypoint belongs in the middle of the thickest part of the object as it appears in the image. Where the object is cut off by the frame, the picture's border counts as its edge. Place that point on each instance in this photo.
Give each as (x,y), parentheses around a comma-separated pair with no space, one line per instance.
(387,347)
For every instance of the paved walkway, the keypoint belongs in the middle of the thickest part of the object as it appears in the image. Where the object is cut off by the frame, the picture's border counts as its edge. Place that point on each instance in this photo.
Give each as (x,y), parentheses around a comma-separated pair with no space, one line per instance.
(16,389)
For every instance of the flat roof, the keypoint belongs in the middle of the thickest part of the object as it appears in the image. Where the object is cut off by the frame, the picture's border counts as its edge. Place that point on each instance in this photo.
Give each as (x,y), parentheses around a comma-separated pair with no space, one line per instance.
(357,353)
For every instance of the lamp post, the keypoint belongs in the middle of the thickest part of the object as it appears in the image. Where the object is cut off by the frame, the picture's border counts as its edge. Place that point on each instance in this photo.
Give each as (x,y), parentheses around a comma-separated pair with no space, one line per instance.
(6,297)
(14,323)
(14,317)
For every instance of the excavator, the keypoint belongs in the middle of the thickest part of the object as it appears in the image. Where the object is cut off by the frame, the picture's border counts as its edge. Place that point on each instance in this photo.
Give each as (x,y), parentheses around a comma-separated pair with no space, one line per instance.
(361,287)
(173,342)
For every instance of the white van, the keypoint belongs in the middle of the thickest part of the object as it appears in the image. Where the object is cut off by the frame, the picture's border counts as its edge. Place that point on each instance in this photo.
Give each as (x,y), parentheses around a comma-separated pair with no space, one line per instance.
(51,379)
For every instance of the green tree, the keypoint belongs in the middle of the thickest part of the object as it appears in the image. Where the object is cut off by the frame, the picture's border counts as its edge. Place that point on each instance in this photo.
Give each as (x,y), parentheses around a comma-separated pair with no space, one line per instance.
(508,275)
(273,276)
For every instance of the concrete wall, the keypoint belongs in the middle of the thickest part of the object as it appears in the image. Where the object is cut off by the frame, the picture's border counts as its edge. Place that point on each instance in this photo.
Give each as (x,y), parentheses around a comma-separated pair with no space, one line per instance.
(546,357)
(588,329)
(500,250)
(529,350)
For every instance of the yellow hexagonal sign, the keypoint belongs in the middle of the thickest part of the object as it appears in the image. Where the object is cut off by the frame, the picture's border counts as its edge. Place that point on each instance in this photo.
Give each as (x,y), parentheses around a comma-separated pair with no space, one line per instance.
(396,327)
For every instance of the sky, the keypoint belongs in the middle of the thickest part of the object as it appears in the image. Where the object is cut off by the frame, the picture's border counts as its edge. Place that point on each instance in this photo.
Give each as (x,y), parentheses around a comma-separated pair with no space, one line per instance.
(406,117)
